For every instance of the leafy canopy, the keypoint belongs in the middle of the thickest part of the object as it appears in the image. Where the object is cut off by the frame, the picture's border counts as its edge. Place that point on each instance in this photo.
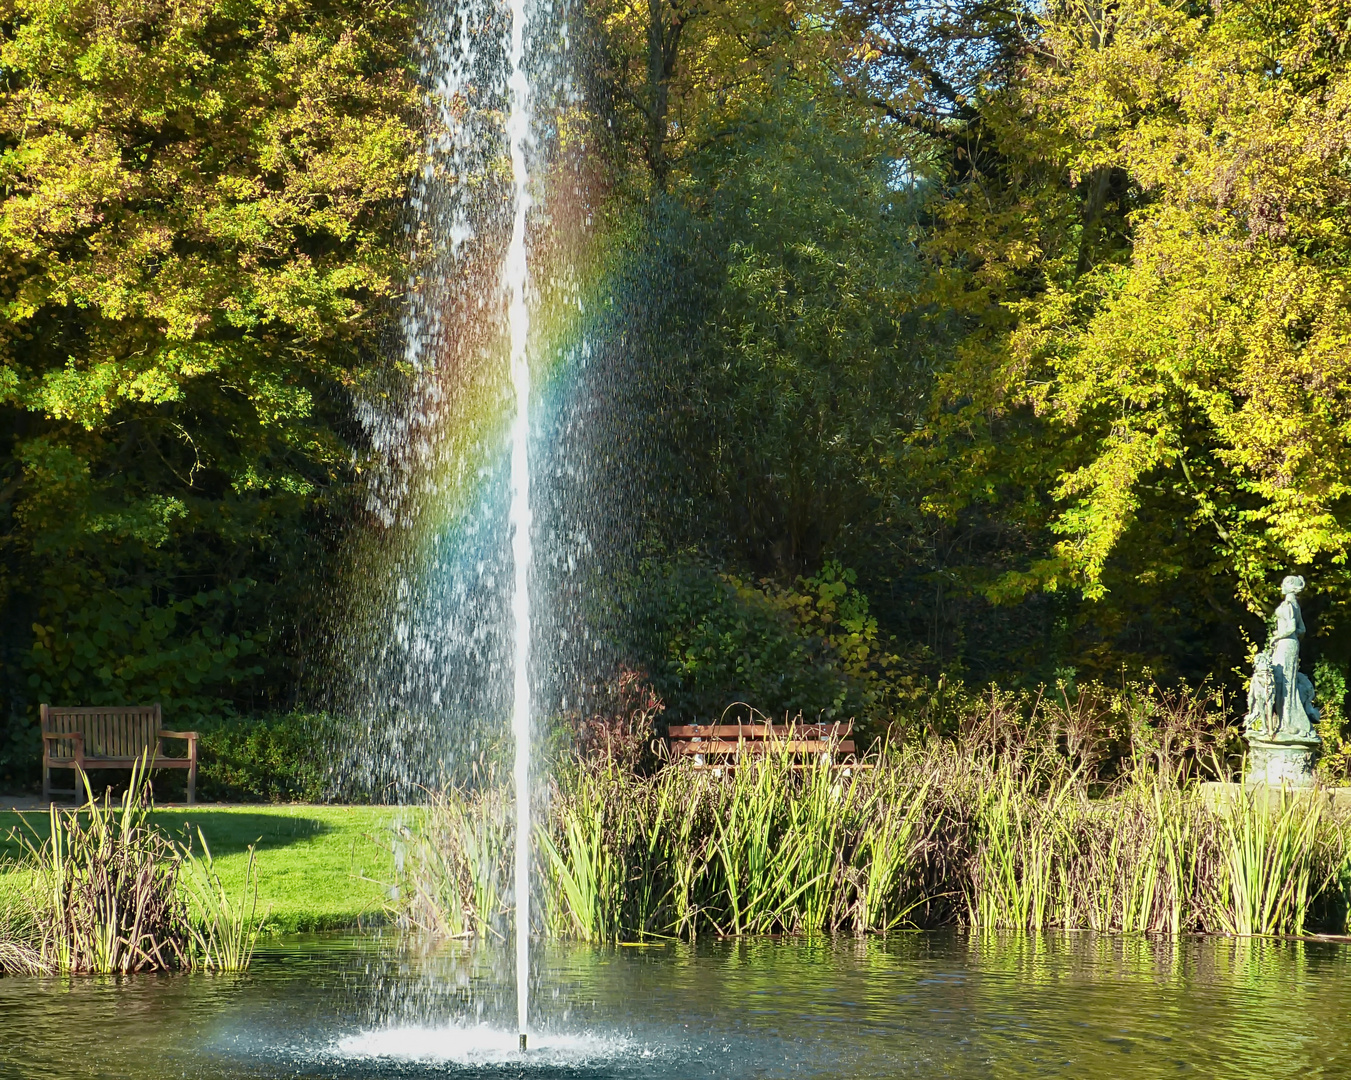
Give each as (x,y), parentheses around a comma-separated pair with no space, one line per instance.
(198,208)
(1163,270)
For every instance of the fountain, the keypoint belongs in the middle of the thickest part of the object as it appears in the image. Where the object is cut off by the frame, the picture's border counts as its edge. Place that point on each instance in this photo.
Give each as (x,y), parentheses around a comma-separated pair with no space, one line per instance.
(502,457)
(433,648)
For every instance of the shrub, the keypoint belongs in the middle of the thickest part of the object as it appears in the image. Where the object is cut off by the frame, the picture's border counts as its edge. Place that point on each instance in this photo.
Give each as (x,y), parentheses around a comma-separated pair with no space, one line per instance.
(20,752)
(713,640)
(1330,683)
(278,758)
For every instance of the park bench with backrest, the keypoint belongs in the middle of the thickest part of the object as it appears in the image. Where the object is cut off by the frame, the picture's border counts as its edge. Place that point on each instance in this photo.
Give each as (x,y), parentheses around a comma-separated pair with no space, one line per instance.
(719,745)
(109,737)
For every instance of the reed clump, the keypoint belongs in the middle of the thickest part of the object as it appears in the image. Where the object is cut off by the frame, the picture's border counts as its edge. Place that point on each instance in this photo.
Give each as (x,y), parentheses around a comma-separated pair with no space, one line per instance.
(1082,813)
(107,892)
(452,862)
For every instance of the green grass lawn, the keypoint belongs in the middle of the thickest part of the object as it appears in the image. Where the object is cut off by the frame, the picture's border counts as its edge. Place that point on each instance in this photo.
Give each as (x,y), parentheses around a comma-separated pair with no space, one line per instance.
(320,866)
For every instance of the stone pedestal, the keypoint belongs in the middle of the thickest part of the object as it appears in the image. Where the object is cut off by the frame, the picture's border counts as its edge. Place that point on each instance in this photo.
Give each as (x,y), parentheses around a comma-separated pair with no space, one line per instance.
(1284,761)
(1219,796)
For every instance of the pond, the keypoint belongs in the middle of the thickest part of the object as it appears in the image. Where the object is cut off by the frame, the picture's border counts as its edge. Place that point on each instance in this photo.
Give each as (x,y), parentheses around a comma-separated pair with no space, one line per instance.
(922,1005)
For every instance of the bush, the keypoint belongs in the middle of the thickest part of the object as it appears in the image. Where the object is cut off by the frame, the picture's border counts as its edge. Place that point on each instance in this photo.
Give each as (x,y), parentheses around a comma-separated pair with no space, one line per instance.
(813,648)
(278,758)
(20,752)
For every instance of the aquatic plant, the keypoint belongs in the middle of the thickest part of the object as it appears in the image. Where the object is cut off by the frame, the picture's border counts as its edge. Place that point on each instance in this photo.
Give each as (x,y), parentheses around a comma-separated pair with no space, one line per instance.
(1008,825)
(105,892)
(222,931)
(452,862)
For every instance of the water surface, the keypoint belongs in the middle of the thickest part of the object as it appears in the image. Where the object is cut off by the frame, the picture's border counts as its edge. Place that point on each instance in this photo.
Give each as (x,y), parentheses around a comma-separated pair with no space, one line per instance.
(923,1005)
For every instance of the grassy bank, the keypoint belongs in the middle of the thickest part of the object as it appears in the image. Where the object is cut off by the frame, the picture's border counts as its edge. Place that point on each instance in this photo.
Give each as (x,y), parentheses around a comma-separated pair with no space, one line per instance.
(319,866)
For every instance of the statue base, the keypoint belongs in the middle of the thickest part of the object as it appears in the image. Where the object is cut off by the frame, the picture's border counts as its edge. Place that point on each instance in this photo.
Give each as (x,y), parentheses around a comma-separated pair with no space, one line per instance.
(1281,762)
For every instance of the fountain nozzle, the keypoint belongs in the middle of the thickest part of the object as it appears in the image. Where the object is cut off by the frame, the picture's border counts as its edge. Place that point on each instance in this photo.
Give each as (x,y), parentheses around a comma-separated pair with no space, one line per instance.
(522,1042)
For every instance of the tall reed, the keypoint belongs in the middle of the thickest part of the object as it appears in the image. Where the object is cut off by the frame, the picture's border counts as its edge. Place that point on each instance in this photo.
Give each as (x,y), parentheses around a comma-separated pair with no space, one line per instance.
(452,861)
(1012,824)
(1273,858)
(104,892)
(223,931)
(103,896)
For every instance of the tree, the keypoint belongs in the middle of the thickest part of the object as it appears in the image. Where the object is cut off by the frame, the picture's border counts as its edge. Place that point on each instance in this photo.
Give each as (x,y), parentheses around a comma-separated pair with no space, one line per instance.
(197,244)
(668,76)
(1210,359)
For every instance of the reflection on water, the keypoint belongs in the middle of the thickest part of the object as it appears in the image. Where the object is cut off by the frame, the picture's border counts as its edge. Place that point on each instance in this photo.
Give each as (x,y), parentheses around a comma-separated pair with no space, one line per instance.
(924,1005)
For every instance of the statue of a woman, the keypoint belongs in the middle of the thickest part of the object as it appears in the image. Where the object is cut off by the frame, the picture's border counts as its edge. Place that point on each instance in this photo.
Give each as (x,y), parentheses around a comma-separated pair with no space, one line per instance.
(1285,659)
(1282,742)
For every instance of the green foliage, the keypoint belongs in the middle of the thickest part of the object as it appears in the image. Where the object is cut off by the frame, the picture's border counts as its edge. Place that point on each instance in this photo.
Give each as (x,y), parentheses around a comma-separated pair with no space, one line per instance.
(197,246)
(1162,273)
(716,641)
(1329,682)
(276,758)
(727,642)
(122,646)
(1272,866)
(583,868)
(20,752)
(803,369)
(1035,320)
(828,301)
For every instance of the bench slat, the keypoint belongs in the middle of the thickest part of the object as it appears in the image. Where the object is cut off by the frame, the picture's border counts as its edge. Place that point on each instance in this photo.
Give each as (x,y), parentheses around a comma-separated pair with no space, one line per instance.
(755,731)
(159,762)
(789,746)
(797,766)
(109,732)
(709,743)
(58,712)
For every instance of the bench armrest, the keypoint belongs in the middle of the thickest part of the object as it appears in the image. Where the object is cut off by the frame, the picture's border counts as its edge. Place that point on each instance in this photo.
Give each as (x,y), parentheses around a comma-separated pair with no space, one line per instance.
(52,736)
(190,737)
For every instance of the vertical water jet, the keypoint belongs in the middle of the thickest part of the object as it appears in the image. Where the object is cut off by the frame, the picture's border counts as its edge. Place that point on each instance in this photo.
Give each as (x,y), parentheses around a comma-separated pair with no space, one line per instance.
(516,269)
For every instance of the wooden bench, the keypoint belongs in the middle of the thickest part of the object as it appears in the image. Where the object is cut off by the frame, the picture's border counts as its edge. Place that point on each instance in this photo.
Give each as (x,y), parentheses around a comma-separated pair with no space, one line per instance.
(109,737)
(716,745)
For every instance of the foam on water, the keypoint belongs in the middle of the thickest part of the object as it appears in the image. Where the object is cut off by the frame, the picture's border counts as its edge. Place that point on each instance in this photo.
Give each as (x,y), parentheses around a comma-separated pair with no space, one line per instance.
(481,1045)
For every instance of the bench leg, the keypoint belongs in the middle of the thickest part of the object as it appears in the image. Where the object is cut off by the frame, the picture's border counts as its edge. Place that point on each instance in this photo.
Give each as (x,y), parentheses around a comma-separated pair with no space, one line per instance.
(46,783)
(192,782)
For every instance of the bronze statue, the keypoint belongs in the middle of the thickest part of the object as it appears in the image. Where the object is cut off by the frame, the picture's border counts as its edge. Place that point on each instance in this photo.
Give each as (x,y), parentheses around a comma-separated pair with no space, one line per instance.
(1285,656)
(1282,742)
(1263,714)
